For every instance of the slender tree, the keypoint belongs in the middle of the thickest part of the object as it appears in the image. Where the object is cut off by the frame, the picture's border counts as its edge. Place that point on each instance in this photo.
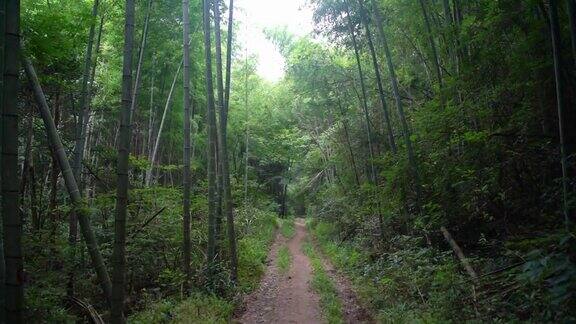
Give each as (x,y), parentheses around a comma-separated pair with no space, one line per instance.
(558,67)
(572,20)
(348,142)
(387,120)
(150,171)
(186,171)
(211,132)
(220,107)
(119,257)
(82,123)
(364,100)
(224,159)
(70,181)
(148,147)
(399,105)
(12,218)
(247,122)
(431,43)
(81,132)
(134,100)
(2,262)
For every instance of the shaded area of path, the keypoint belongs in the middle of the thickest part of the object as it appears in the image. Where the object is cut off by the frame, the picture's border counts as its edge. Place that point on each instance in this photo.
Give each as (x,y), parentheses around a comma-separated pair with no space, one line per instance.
(285,298)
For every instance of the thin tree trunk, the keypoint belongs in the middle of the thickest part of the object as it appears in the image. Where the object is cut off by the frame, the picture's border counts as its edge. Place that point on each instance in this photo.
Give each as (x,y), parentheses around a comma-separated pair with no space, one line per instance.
(186,171)
(247,142)
(36,225)
(81,131)
(364,100)
(220,107)
(348,143)
(119,257)
(431,43)
(12,218)
(134,99)
(224,152)
(387,121)
(556,52)
(55,172)
(25,173)
(151,113)
(403,122)
(2,89)
(89,128)
(70,181)
(81,125)
(211,129)
(572,21)
(449,42)
(150,171)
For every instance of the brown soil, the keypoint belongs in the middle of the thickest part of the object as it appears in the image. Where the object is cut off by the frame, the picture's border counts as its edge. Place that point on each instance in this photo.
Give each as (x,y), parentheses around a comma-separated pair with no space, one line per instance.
(288,298)
(285,298)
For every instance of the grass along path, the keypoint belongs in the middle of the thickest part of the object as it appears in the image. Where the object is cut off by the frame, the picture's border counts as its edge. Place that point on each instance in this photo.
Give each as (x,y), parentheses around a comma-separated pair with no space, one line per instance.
(284,259)
(298,287)
(323,285)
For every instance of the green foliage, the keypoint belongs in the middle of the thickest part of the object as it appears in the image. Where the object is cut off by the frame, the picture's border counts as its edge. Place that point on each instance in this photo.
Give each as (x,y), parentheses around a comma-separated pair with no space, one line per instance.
(399,287)
(284,259)
(198,308)
(259,228)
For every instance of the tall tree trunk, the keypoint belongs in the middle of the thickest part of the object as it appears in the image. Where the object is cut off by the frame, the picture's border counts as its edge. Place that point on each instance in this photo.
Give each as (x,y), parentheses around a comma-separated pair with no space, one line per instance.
(224,159)
(55,172)
(211,130)
(220,107)
(70,181)
(2,52)
(431,43)
(25,173)
(12,218)
(572,20)
(134,99)
(81,131)
(348,143)
(119,257)
(82,122)
(147,147)
(448,25)
(558,68)
(186,172)
(396,91)
(364,100)
(387,121)
(89,123)
(150,171)
(247,140)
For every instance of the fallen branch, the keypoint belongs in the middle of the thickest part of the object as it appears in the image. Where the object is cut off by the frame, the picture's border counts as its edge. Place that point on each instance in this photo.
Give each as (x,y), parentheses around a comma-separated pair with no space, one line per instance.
(88,309)
(459,253)
(147,222)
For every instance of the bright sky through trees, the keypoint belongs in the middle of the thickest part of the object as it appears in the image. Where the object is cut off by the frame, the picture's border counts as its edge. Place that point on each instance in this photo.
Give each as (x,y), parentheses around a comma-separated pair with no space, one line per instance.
(296,15)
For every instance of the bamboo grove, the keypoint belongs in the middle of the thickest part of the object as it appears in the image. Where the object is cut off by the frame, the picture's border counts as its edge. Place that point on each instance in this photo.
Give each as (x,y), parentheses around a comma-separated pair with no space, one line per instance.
(429,143)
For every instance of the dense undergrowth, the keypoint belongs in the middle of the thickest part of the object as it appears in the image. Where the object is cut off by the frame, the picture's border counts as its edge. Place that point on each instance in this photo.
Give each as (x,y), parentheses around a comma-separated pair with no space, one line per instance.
(207,307)
(154,255)
(413,282)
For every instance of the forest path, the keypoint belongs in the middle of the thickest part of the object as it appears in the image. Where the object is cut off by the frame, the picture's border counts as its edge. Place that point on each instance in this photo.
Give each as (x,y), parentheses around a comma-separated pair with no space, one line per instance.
(285,298)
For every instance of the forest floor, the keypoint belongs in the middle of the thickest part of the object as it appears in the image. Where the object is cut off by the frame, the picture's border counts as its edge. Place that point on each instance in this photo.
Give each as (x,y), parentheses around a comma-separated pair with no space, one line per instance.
(288,296)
